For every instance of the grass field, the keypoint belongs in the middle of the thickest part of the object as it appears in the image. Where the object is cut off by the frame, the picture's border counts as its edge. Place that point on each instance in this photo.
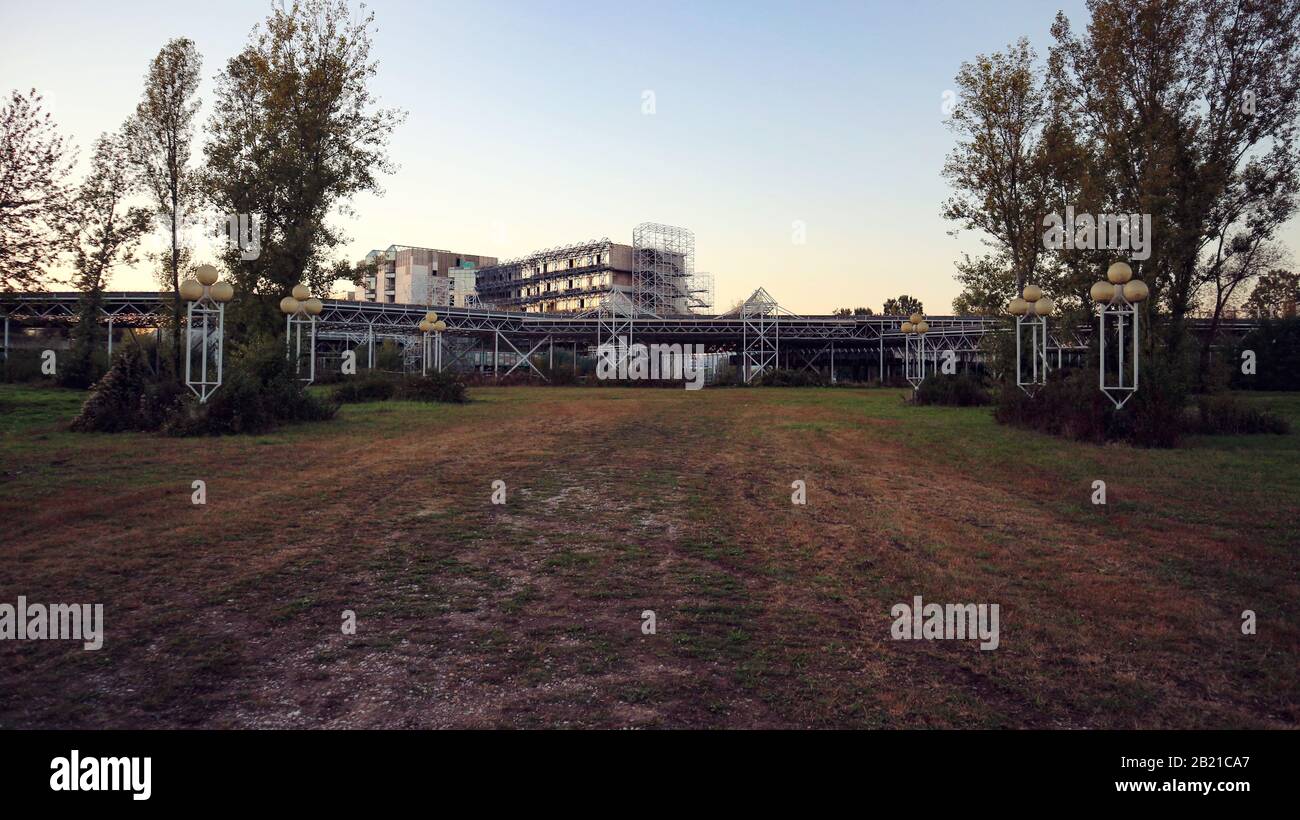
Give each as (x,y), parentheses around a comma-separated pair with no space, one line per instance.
(769,614)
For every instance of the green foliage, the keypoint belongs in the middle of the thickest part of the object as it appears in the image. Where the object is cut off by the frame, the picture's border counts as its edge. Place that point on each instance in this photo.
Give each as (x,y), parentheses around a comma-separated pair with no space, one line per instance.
(902,306)
(260,391)
(370,387)
(1158,415)
(1226,415)
(23,365)
(436,387)
(130,396)
(958,390)
(1277,357)
(791,378)
(299,92)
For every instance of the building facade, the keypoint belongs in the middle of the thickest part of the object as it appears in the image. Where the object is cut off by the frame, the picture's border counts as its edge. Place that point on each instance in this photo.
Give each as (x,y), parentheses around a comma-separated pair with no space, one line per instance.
(572,278)
(403,274)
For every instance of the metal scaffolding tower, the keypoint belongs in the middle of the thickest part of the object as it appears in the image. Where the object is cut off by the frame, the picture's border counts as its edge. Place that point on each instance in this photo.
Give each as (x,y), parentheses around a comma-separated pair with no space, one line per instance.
(762,335)
(664,282)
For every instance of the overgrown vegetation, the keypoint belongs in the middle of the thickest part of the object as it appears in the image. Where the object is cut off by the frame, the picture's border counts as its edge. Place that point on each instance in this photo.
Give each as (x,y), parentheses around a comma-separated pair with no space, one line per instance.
(130,396)
(1276,349)
(791,378)
(259,393)
(435,387)
(1228,415)
(957,390)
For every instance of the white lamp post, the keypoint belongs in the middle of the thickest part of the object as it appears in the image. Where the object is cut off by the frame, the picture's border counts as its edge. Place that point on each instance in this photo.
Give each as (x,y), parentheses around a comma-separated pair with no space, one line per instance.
(301,309)
(1031,309)
(206,324)
(432,324)
(1118,299)
(916,326)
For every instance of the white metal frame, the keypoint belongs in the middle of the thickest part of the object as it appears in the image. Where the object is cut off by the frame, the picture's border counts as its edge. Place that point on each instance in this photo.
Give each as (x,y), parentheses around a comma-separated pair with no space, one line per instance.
(914,371)
(1037,327)
(209,316)
(1120,390)
(293,331)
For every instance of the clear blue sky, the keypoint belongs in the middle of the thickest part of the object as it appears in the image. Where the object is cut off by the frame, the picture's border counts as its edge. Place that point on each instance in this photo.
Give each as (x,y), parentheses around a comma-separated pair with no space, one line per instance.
(526,127)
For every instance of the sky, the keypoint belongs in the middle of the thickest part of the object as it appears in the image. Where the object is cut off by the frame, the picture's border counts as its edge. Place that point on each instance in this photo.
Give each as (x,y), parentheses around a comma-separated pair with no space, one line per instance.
(801,142)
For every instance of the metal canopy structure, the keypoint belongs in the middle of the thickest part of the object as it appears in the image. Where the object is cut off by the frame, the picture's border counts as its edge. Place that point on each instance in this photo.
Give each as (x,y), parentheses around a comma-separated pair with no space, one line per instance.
(771,336)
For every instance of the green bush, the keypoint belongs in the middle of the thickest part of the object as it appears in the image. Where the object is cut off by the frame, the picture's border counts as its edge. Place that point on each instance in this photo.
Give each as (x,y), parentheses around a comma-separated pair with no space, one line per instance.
(371,387)
(959,390)
(23,365)
(1276,345)
(1227,415)
(791,378)
(439,387)
(130,396)
(1069,405)
(259,392)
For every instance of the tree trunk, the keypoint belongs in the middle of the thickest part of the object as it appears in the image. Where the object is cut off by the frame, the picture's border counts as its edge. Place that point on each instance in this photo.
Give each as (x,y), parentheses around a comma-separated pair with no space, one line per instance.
(176,291)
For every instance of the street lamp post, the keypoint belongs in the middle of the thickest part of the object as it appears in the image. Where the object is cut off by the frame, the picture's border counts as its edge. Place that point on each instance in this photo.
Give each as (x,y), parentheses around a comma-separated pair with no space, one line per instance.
(915,327)
(1118,299)
(206,324)
(300,311)
(432,324)
(1031,310)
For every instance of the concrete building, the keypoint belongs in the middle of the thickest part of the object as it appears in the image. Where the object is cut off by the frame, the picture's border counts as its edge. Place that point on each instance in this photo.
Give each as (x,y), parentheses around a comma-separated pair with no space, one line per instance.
(421,276)
(572,278)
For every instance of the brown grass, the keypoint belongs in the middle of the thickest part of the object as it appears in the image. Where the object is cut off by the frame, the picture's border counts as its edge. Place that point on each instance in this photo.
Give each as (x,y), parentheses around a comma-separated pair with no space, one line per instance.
(528,614)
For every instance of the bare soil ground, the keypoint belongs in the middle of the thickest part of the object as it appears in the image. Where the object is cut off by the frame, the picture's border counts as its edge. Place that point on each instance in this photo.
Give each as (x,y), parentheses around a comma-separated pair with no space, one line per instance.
(769,614)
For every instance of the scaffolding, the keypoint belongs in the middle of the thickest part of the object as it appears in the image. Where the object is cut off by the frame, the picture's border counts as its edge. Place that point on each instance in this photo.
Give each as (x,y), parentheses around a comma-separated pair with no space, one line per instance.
(545,275)
(761,343)
(664,281)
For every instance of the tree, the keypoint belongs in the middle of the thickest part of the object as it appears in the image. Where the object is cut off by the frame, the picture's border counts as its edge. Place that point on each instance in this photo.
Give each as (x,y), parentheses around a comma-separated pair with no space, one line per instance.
(35,162)
(858,311)
(161,134)
(294,134)
(902,306)
(1244,259)
(1275,296)
(105,232)
(1190,111)
(988,284)
(999,168)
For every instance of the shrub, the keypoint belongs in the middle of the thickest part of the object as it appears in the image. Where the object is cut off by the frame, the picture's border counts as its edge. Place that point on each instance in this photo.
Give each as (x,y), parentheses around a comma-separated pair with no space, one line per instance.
(130,396)
(791,378)
(1220,414)
(1069,405)
(439,387)
(23,365)
(1276,345)
(371,387)
(82,367)
(259,392)
(959,390)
